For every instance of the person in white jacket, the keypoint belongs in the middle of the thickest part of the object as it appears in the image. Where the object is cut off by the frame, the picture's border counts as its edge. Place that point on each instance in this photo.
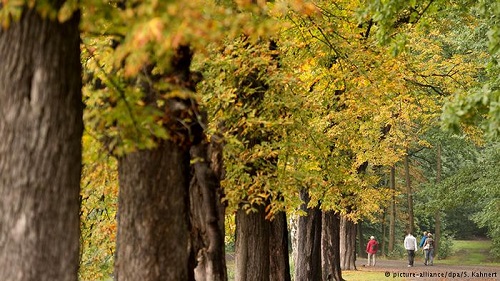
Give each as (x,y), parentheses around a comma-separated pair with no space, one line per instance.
(411,247)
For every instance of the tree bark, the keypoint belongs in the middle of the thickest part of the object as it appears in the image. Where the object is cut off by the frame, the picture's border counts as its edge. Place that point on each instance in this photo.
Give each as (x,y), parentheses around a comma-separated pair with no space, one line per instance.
(152,241)
(207,218)
(384,234)
(347,244)
(392,215)
(361,249)
(278,247)
(409,191)
(330,247)
(308,266)
(437,215)
(40,148)
(252,245)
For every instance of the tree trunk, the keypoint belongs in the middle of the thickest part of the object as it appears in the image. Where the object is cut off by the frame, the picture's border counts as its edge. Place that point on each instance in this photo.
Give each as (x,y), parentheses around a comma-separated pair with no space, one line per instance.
(207,224)
(392,215)
(437,215)
(308,266)
(347,244)
(330,247)
(280,260)
(409,191)
(361,241)
(40,148)
(252,245)
(384,234)
(152,241)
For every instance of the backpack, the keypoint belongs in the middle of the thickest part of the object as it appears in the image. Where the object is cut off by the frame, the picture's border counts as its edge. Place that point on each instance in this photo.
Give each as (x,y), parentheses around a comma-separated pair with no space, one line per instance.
(375,246)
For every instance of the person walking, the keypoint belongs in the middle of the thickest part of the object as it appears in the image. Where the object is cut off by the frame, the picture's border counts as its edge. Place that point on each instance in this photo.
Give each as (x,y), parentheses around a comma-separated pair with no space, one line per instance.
(429,250)
(410,245)
(371,250)
(422,241)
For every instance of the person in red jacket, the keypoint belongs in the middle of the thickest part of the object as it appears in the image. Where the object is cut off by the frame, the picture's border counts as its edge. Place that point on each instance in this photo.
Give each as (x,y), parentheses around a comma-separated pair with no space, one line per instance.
(371,250)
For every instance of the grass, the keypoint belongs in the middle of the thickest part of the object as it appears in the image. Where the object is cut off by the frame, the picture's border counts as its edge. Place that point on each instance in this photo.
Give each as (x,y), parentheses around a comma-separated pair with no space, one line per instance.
(471,252)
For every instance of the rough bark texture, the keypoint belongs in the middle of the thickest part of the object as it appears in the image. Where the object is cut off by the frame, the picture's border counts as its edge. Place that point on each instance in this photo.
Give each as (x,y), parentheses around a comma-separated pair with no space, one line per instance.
(409,191)
(330,247)
(207,224)
(347,244)
(308,266)
(392,215)
(40,149)
(278,247)
(252,246)
(152,241)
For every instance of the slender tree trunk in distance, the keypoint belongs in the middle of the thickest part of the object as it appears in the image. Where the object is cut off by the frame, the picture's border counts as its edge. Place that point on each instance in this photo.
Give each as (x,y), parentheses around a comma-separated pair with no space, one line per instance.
(308,266)
(40,148)
(409,191)
(347,244)
(330,247)
(207,224)
(392,216)
(252,245)
(278,247)
(384,234)
(361,249)
(152,241)
(437,215)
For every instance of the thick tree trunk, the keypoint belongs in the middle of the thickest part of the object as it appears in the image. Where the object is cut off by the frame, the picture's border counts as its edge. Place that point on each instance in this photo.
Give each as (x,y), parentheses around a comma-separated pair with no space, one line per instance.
(409,191)
(437,215)
(330,247)
(252,245)
(152,241)
(40,148)
(392,215)
(347,244)
(207,224)
(278,247)
(308,266)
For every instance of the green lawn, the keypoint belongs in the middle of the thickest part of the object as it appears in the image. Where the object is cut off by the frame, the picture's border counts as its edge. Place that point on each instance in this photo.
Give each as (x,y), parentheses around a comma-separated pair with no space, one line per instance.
(471,252)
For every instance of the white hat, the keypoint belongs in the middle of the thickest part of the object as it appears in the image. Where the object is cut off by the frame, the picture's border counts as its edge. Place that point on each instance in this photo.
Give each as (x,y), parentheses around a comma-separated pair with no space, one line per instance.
(372,237)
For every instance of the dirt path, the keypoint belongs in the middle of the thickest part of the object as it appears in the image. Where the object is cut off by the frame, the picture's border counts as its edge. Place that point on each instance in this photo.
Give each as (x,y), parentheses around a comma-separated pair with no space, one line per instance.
(441,272)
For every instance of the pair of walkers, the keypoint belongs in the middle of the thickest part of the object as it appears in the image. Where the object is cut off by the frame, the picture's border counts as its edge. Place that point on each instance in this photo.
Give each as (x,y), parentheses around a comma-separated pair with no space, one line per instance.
(427,244)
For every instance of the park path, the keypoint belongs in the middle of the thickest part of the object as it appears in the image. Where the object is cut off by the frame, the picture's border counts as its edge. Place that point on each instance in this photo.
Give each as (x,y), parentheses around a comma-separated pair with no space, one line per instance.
(391,269)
